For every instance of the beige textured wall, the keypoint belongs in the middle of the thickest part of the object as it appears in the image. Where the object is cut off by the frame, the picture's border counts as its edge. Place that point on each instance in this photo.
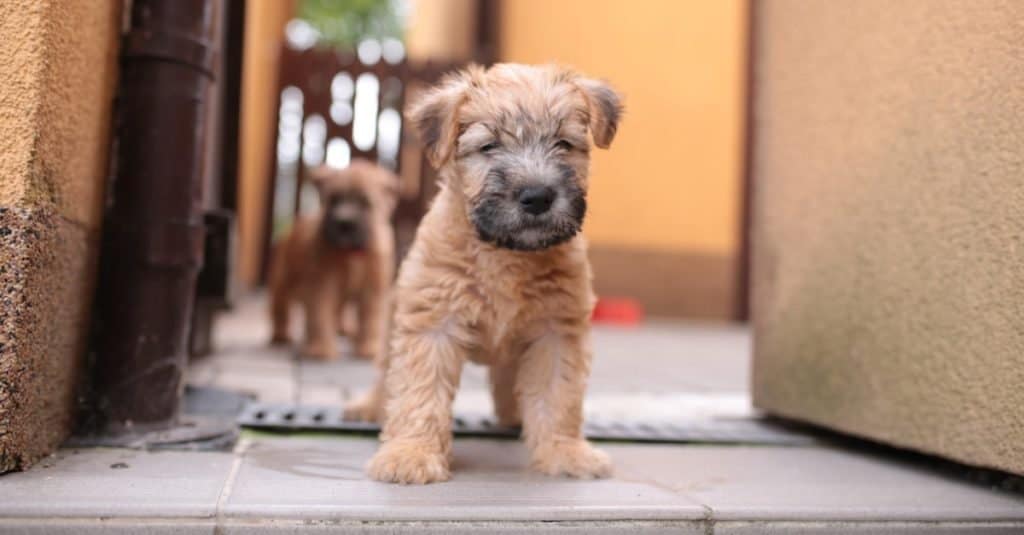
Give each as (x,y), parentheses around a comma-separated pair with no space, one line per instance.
(889,222)
(58,66)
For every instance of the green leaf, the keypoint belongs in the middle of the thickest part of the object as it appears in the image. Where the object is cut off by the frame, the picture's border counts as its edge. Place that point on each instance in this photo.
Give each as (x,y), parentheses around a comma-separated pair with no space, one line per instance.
(344,23)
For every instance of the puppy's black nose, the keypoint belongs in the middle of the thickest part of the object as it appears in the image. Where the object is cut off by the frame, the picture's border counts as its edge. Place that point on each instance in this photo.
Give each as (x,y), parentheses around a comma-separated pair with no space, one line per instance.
(346,226)
(536,200)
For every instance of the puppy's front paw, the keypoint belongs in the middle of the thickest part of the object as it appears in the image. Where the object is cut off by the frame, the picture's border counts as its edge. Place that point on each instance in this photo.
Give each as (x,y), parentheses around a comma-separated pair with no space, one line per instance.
(575,459)
(320,351)
(367,349)
(280,339)
(408,464)
(365,409)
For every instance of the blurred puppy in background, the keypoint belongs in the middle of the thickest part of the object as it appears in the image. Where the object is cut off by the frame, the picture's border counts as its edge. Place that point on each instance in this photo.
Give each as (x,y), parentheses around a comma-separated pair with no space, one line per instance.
(344,253)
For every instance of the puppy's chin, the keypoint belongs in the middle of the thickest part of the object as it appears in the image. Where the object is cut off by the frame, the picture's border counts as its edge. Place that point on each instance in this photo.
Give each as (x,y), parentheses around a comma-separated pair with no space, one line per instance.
(519,234)
(529,239)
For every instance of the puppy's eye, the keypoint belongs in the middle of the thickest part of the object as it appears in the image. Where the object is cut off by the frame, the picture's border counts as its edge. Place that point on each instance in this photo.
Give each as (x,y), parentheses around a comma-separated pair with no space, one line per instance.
(490,147)
(563,144)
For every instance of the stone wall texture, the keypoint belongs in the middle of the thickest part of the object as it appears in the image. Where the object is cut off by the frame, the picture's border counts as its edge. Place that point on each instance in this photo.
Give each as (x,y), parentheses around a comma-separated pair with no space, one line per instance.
(58,63)
(888,285)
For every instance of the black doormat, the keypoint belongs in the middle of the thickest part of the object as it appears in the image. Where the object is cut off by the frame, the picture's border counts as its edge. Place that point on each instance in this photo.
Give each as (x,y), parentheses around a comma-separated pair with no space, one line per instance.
(291,417)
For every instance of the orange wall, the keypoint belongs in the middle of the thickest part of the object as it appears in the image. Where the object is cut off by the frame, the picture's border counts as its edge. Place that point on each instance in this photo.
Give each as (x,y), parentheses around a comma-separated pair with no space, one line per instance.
(264,23)
(441,30)
(672,178)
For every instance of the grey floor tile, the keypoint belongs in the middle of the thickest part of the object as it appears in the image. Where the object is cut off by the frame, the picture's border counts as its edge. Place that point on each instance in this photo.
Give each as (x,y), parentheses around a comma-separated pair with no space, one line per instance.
(868,528)
(655,358)
(670,357)
(256,359)
(323,479)
(814,484)
(632,407)
(658,371)
(114,526)
(347,372)
(322,395)
(268,387)
(248,323)
(202,373)
(92,483)
(629,527)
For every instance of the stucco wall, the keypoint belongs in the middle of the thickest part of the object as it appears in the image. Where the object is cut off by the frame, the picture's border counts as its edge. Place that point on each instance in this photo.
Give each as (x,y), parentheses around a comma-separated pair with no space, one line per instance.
(889,222)
(58,64)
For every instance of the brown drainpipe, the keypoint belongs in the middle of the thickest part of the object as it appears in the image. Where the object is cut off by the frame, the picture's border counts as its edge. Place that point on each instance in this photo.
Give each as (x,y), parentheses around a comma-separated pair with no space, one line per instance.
(153,228)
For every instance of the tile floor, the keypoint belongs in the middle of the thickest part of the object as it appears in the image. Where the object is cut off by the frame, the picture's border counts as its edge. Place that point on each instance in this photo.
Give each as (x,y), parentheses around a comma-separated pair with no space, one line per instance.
(313,483)
(663,370)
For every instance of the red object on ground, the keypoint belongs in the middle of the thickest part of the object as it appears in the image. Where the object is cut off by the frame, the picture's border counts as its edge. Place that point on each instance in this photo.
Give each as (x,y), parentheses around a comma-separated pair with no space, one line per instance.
(618,311)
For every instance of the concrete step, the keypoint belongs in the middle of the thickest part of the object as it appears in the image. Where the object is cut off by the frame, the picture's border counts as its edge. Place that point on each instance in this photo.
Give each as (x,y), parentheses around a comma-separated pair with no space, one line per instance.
(315,483)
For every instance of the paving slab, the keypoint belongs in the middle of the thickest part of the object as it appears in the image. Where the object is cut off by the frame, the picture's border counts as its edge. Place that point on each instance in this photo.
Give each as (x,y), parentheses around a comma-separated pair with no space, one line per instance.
(629,527)
(322,395)
(256,359)
(349,373)
(296,483)
(286,527)
(656,357)
(815,484)
(272,387)
(323,479)
(116,526)
(658,371)
(864,528)
(669,357)
(94,483)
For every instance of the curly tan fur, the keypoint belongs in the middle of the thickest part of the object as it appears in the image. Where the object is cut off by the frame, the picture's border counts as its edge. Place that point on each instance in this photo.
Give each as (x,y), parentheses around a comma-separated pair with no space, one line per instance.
(516,300)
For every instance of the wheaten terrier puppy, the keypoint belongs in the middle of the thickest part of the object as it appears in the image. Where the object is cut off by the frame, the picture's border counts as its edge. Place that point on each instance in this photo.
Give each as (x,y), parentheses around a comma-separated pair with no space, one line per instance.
(343,253)
(498,273)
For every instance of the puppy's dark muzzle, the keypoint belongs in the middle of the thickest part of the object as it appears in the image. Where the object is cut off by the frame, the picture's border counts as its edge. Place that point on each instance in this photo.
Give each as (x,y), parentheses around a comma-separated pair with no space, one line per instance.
(536,200)
(345,234)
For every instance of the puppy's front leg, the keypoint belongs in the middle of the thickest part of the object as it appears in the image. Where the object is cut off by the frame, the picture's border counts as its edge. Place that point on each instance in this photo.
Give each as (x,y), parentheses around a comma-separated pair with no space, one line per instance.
(281,290)
(372,306)
(552,379)
(321,320)
(422,377)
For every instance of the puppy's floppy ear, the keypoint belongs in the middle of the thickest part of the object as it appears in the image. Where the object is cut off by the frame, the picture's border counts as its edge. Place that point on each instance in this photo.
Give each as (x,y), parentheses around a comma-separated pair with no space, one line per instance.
(604,106)
(435,115)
